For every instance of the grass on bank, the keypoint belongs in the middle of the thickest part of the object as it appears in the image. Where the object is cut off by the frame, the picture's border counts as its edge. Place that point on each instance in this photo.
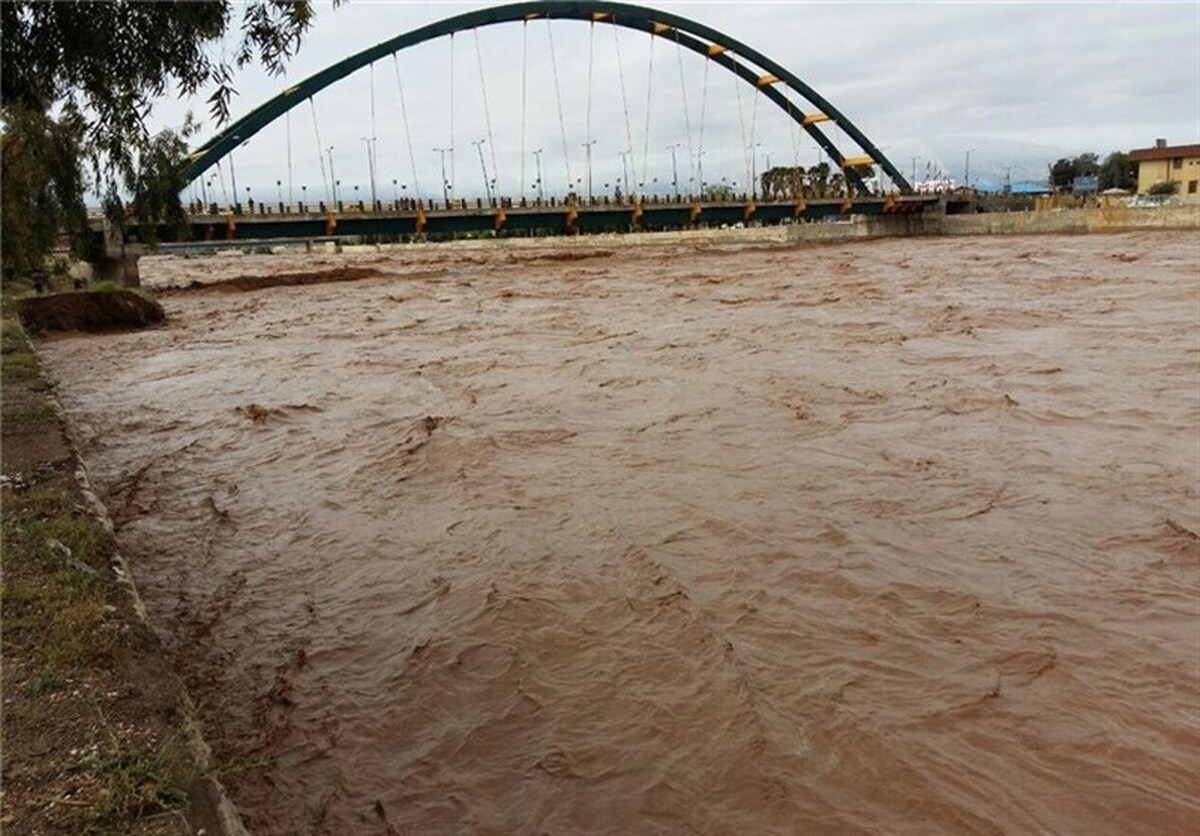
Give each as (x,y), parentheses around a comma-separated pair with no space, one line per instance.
(63,617)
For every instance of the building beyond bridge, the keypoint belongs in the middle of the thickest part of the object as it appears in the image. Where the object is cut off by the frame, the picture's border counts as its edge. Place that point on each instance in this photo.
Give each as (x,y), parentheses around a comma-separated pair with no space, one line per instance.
(1169,164)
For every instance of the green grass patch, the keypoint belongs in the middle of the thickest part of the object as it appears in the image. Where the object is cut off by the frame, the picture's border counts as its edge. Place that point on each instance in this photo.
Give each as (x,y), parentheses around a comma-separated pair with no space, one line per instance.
(140,781)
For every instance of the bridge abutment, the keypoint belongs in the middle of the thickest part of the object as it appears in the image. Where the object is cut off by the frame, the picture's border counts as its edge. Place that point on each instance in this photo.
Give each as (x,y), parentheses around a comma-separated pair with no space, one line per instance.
(118,262)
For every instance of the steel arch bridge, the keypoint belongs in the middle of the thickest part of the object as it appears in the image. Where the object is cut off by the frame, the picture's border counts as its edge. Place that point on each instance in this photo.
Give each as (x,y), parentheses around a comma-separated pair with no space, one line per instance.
(743,61)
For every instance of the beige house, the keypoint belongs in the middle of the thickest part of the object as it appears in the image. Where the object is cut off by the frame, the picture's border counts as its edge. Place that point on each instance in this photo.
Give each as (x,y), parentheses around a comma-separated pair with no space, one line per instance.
(1169,163)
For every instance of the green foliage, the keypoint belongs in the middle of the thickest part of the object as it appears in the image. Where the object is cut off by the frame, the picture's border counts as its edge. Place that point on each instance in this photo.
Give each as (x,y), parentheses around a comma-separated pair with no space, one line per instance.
(1165,187)
(98,67)
(41,191)
(1118,172)
(1066,169)
(112,59)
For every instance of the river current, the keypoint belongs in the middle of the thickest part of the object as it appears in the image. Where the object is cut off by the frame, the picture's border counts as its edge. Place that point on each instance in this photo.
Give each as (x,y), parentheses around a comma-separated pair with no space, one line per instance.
(722,538)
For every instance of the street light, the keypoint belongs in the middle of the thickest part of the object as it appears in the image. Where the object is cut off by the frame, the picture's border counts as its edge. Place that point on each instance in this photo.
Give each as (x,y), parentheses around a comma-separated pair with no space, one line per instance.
(537,155)
(754,168)
(370,141)
(332,177)
(587,147)
(674,169)
(625,170)
(479,143)
(967,168)
(445,182)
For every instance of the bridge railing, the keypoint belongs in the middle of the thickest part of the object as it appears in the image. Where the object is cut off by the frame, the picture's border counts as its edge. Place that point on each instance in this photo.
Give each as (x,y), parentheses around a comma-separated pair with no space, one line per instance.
(463,205)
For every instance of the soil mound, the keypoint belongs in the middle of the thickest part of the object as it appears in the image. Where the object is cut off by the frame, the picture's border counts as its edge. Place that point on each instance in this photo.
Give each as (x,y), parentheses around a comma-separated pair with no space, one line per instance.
(90,311)
(242,284)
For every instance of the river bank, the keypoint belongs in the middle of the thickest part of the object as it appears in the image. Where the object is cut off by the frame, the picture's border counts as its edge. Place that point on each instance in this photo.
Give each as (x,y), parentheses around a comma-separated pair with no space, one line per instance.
(99,735)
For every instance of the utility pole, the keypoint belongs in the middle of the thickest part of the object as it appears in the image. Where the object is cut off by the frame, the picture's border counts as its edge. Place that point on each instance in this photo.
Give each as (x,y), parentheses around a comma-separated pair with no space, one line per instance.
(537,155)
(332,178)
(587,147)
(445,182)
(479,143)
(674,169)
(967,168)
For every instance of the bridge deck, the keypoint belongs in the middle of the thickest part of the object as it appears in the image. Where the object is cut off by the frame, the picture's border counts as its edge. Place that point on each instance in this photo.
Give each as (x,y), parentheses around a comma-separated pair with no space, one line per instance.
(401,219)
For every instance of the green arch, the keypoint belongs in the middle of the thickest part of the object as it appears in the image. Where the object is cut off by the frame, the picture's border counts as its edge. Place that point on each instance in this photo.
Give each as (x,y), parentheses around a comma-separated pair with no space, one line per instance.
(695,36)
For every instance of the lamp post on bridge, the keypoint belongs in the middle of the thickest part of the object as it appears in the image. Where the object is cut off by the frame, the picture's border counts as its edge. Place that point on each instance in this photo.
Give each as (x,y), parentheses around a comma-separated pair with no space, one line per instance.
(700,170)
(233,177)
(537,155)
(967,168)
(914,171)
(753,169)
(445,182)
(674,169)
(479,143)
(370,141)
(587,147)
(332,178)
(625,171)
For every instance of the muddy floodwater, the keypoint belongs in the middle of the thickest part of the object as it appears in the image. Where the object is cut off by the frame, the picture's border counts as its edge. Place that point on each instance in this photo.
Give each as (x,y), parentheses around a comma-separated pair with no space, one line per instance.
(719,538)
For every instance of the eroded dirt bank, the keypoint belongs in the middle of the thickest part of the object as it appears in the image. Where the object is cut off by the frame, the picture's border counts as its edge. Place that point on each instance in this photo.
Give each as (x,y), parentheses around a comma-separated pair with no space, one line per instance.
(892,537)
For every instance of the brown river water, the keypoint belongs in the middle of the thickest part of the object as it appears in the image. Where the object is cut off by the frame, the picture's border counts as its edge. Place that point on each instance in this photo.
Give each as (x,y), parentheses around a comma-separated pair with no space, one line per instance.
(720,538)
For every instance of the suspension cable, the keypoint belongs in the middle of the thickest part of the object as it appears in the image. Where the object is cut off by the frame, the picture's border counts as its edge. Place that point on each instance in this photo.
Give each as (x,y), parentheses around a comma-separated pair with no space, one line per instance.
(453,177)
(704,105)
(649,95)
(372,160)
(591,61)
(737,89)
(625,104)
(795,141)
(412,157)
(288,125)
(562,124)
(524,87)
(320,152)
(487,113)
(753,148)
(224,191)
(687,116)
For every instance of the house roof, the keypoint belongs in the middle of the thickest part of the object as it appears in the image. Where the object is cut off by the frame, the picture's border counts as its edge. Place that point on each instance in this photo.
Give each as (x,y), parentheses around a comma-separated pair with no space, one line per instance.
(1170,152)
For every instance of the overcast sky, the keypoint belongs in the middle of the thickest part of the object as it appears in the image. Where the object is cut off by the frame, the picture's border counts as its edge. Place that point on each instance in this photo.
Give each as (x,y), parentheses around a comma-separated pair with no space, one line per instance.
(1020,83)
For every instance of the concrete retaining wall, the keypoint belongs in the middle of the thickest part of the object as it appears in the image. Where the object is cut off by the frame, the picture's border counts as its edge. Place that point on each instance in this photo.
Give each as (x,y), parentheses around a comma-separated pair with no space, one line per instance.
(1114,218)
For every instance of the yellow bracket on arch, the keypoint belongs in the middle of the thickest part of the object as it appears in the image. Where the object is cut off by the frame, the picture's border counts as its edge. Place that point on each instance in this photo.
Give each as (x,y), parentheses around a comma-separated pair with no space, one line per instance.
(659,28)
(767,80)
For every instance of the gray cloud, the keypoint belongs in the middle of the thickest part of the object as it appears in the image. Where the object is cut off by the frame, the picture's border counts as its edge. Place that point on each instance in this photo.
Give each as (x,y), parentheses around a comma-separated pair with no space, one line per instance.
(1021,82)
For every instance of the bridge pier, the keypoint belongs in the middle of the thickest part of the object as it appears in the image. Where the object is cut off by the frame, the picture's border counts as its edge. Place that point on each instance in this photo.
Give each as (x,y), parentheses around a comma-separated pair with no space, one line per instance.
(118,262)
